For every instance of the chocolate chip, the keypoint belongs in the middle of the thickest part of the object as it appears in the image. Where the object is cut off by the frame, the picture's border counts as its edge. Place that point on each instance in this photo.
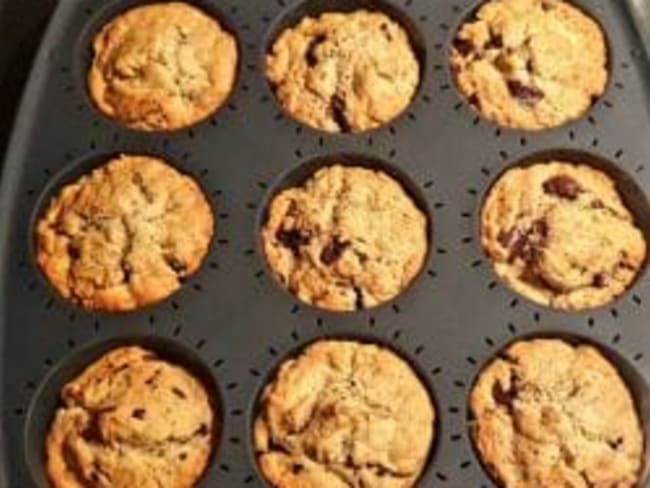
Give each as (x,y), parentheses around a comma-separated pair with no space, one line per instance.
(202,430)
(503,397)
(527,95)
(464,46)
(176,264)
(179,393)
(358,302)
(333,251)
(310,55)
(292,239)
(337,106)
(507,237)
(127,270)
(547,5)
(597,205)
(474,101)
(601,280)
(495,42)
(138,413)
(182,456)
(526,245)
(297,468)
(386,31)
(562,186)
(73,251)
(616,443)
(540,228)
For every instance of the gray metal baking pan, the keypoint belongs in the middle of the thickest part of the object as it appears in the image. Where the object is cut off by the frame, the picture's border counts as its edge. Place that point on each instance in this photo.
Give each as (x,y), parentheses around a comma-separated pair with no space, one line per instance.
(231,322)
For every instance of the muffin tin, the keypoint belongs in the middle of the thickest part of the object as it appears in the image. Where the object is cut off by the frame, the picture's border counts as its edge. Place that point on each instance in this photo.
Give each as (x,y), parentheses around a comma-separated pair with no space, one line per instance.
(231,321)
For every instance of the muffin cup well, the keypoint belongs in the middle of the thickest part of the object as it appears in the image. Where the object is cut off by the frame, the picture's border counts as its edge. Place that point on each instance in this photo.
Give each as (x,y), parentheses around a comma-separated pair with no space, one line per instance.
(633,380)
(46,399)
(366,339)
(291,16)
(633,197)
(299,175)
(72,173)
(84,55)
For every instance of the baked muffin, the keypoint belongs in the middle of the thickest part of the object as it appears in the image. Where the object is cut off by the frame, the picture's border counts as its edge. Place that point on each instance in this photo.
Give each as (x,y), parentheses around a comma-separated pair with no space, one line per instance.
(559,234)
(344,72)
(550,414)
(344,414)
(131,420)
(349,238)
(125,235)
(162,66)
(530,64)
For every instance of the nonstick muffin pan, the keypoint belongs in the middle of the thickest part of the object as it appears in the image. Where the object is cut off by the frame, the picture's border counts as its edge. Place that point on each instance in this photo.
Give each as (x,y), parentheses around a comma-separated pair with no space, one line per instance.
(231,322)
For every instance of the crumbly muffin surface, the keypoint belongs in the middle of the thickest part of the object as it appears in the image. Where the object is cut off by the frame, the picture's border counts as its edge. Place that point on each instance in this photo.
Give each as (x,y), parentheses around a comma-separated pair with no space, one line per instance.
(344,72)
(549,414)
(125,235)
(530,64)
(131,420)
(559,234)
(162,66)
(350,238)
(344,414)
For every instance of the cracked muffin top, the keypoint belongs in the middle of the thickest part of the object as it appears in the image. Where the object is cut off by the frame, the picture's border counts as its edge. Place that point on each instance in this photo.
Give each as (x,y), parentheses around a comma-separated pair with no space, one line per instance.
(560,234)
(162,66)
(344,72)
(125,235)
(344,414)
(131,420)
(349,238)
(550,414)
(530,64)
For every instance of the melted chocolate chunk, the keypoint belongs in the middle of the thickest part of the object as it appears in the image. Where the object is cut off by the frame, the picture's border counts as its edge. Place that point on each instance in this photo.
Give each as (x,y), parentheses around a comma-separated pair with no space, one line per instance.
(507,237)
(175,264)
(526,95)
(474,101)
(73,252)
(202,430)
(179,393)
(333,251)
(464,46)
(526,245)
(495,42)
(337,106)
(562,186)
(503,397)
(597,205)
(547,5)
(358,303)
(138,413)
(616,443)
(292,239)
(386,31)
(601,280)
(310,55)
